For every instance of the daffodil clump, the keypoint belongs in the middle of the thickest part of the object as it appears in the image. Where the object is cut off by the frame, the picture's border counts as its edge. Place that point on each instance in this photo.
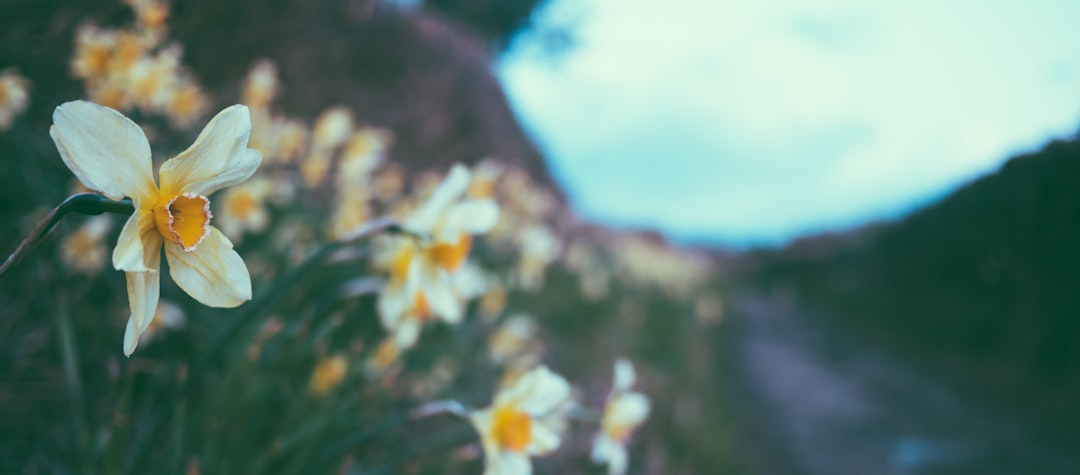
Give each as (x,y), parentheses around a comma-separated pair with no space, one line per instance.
(133,67)
(110,154)
(383,287)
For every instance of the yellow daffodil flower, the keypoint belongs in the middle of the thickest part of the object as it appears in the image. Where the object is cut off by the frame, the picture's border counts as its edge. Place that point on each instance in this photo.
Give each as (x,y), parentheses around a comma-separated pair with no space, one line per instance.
(625,411)
(328,374)
(527,419)
(84,250)
(109,153)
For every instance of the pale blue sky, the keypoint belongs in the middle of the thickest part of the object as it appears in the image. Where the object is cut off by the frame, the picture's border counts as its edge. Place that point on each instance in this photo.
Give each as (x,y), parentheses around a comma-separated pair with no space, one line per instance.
(750,122)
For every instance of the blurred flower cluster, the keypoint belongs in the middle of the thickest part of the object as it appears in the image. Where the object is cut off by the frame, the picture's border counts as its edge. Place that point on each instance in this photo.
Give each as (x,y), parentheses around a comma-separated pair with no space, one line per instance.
(381,296)
(135,68)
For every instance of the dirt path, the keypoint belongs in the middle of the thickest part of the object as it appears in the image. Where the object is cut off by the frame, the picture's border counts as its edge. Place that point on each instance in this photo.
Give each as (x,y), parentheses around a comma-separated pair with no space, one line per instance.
(825,405)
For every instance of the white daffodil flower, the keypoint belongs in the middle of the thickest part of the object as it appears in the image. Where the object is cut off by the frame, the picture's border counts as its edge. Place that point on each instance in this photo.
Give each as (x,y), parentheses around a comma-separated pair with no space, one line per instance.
(450,222)
(527,419)
(422,270)
(108,153)
(625,411)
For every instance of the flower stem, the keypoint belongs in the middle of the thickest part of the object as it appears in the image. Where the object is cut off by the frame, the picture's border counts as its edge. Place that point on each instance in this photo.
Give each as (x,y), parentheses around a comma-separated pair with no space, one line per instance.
(279,290)
(83,203)
(439,407)
(69,355)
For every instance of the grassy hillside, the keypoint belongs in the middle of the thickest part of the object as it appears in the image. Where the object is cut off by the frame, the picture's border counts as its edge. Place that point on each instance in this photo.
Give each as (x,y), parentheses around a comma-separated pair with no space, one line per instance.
(982,285)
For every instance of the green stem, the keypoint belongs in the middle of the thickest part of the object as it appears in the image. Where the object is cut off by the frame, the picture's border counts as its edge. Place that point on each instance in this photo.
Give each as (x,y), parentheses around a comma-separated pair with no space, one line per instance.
(83,203)
(69,356)
(279,290)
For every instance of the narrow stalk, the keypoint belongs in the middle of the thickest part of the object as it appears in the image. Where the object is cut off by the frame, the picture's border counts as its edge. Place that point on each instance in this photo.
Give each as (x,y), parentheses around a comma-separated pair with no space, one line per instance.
(450,407)
(280,287)
(83,203)
(69,356)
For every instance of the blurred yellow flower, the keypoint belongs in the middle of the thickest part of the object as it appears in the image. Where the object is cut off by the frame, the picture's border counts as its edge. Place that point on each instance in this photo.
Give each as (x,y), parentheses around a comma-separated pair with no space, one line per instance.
(485,176)
(624,411)
(152,79)
(126,68)
(280,140)
(150,13)
(14,96)
(328,374)
(382,359)
(387,182)
(361,155)
(93,49)
(243,207)
(539,248)
(332,129)
(110,154)
(84,250)
(187,103)
(261,85)
(512,339)
(525,420)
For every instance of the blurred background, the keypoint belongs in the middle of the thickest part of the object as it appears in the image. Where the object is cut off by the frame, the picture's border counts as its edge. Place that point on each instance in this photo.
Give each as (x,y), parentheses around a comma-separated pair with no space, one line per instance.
(835,236)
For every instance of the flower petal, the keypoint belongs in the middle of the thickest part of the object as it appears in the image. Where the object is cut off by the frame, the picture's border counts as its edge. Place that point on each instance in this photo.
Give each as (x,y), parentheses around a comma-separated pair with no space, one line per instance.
(470,216)
(543,439)
(426,217)
(218,158)
(138,249)
(544,392)
(144,291)
(406,332)
(394,301)
(607,450)
(214,274)
(508,463)
(624,375)
(106,151)
(438,289)
(482,422)
(627,411)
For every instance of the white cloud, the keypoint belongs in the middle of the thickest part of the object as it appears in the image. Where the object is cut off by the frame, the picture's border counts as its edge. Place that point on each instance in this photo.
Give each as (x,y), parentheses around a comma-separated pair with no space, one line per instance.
(747,119)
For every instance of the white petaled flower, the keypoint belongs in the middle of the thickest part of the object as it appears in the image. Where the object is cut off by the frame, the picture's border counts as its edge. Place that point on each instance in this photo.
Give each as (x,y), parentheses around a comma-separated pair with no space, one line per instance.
(625,411)
(110,154)
(526,420)
(422,268)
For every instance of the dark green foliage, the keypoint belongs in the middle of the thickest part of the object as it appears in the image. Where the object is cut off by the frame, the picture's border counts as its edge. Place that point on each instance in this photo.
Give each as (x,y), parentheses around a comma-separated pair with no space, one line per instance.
(982,287)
